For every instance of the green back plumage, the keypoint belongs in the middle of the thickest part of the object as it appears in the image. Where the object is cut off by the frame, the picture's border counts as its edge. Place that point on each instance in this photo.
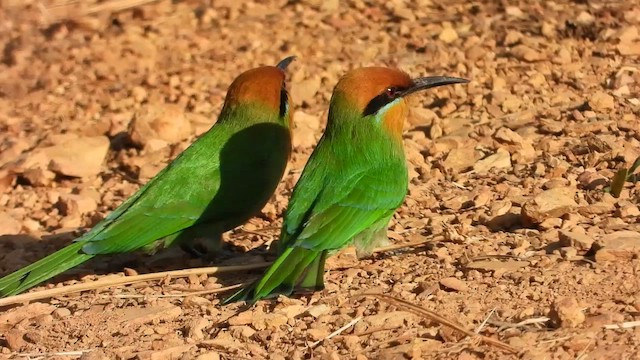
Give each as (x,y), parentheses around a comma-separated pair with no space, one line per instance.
(220,181)
(224,177)
(356,171)
(354,181)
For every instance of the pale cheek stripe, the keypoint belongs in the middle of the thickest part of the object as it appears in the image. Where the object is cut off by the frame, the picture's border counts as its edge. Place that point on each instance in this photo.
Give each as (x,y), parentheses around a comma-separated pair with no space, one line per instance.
(383,110)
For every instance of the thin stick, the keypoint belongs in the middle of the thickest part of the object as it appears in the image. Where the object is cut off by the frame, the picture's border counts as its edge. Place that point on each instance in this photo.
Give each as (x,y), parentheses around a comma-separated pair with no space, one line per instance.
(556,339)
(115,5)
(202,292)
(48,354)
(337,332)
(439,319)
(583,354)
(507,325)
(125,280)
(484,322)
(624,325)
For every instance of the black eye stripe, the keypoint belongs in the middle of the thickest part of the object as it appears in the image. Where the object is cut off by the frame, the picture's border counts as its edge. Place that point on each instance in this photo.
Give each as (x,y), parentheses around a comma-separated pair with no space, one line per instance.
(284,100)
(388,95)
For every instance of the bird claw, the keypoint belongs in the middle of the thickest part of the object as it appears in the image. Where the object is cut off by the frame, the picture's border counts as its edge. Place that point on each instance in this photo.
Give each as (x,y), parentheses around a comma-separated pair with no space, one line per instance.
(202,248)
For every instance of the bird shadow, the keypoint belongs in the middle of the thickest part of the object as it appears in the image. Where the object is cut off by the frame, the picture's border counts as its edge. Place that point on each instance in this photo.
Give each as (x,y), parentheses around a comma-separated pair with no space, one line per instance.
(246,166)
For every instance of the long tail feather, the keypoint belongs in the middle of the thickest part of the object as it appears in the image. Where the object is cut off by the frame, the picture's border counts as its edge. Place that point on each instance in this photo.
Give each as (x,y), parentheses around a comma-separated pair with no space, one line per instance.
(43,269)
(296,267)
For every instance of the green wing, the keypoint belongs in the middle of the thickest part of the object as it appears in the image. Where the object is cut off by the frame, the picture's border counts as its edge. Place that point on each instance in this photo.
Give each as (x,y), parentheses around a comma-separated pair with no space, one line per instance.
(343,207)
(223,178)
(338,197)
(162,207)
(347,207)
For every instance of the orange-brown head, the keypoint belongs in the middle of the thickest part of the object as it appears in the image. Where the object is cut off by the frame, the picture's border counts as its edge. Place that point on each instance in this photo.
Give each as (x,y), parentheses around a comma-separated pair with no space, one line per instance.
(264,85)
(379,92)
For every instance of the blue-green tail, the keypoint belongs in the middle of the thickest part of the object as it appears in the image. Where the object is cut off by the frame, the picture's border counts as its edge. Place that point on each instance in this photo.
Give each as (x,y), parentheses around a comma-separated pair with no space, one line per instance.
(44,269)
(295,268)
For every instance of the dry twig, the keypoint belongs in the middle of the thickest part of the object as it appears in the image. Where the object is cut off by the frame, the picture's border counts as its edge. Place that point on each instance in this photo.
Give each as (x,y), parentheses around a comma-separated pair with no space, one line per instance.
(74,9)
(507,325)
(337,332)
(624,325)
(439,319)
(37,356)
(125,280)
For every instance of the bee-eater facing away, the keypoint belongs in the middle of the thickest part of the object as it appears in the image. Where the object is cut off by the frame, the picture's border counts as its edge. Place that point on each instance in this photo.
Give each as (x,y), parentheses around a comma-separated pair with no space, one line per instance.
(354,181)
(220,181)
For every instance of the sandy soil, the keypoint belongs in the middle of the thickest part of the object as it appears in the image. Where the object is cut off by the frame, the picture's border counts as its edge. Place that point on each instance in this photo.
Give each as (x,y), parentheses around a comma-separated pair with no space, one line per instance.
(507,191)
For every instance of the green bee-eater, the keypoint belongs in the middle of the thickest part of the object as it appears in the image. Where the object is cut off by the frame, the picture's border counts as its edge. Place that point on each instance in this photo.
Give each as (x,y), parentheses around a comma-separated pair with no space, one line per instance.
(354,181)
(220,181)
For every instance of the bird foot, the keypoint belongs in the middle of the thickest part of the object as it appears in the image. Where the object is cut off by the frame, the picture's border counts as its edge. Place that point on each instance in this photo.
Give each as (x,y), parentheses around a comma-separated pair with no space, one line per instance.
(203,248)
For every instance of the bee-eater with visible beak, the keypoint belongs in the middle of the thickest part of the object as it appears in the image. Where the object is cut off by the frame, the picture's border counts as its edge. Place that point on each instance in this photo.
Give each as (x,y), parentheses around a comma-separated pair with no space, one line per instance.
(353,183)
(220,181)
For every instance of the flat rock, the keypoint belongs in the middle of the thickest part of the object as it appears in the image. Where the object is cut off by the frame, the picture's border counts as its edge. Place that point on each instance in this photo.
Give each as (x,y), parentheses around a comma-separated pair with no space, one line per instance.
(509,136)
(159,121)
(262,321)
(76,204)
(454,284)
(39,176)
(318,310)
(552,203)
(448,35)
(14,316)
(243,318)
(566,313)
(501,159)
(9,225)
(576,240)
(617,246)
(601,101)
(591,180)
(461,159)
(80,157)
(525,53)
(15,339)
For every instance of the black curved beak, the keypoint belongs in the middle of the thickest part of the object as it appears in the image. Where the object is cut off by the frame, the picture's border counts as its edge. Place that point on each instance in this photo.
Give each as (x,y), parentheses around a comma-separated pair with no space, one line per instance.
(429,82)
(282,65)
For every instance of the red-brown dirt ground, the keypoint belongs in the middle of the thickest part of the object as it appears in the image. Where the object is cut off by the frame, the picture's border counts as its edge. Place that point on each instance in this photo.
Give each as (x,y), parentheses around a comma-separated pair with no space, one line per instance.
(507,176)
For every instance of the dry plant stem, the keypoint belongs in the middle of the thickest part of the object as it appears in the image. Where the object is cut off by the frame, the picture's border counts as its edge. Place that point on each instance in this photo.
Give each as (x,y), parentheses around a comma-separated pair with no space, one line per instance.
(439,319)
(337,332)
(624,325)
(506,325)
(484,322)
(114,5)
(34,356)
(124,280)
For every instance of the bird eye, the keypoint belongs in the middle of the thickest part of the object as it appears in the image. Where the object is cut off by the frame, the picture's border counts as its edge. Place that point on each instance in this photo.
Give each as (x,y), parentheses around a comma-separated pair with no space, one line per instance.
(391,92)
